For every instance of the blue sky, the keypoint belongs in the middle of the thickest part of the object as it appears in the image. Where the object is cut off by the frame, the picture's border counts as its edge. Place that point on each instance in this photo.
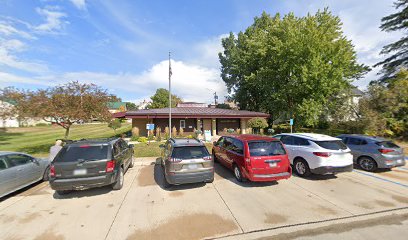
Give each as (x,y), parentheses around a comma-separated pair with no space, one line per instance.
(123,45)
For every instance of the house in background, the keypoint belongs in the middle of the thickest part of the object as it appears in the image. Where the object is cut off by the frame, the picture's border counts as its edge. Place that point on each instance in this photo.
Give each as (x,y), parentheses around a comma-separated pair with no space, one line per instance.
(114,107)
(15,121)
(190,116)
(144,104)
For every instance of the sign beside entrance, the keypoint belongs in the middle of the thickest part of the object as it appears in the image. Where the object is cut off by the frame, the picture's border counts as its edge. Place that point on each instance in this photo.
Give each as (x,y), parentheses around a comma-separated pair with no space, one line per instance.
(207,135)
(291,122)
(150,126)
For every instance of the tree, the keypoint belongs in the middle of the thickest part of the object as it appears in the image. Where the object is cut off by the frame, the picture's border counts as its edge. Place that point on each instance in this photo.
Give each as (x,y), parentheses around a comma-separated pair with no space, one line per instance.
(115,123)
(63,105)
(290,66)
(131,106)
(161,99)
(223,106)
(395,22)
(257,123)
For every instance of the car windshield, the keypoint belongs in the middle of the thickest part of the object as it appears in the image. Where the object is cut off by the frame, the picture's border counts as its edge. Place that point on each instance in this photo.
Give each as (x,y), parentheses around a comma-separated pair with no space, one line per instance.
(332,145)
(190,152)
(265,148)
(387,144)
(75,153)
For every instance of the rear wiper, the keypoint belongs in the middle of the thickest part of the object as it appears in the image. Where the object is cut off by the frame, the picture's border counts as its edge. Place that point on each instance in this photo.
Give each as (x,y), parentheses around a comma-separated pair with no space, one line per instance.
(83,160)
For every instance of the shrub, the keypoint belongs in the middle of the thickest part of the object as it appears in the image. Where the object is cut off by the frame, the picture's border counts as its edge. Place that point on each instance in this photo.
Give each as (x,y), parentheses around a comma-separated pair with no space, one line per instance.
(181,132)
(134,138)
(143,139)
(257,123)
(135,132)
(174,132)
(238,131)
(270,131)
(115,124)
(166,133)
(261,131)
(190,136)
(150,137)
(158,134)
(41,124)
(230,130)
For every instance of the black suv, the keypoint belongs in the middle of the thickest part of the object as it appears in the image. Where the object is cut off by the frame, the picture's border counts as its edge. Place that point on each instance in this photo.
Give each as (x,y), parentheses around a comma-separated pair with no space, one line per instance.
(91,163)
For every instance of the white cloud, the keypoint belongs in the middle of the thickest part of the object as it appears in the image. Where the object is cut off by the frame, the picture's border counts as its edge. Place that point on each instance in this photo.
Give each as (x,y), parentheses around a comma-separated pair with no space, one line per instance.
(7,29)
(205,53)
(8,79)
(54,22)
(80,4)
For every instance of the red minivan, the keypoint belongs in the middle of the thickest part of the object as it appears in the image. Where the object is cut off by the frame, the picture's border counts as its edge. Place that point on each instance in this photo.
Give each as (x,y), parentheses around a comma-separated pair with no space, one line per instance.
(253,157)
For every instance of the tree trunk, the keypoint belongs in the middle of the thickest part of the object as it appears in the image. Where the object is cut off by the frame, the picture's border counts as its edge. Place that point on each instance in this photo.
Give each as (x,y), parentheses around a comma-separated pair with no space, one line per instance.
(67,132)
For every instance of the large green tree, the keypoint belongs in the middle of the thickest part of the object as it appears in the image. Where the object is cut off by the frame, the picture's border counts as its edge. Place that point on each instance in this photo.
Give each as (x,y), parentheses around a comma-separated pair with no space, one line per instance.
(290,66)
(161,99)
(397,51)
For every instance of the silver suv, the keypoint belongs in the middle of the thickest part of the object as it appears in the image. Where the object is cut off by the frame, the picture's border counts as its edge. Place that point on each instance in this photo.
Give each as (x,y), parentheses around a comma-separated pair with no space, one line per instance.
(371,153)
(186,161)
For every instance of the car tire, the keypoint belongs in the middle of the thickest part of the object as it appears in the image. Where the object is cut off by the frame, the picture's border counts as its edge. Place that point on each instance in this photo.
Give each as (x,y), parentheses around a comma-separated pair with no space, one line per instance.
(119,182)
(46,175)
(367,164)
(237,173)
(62,192)
(166,184)
(210,181)
(214,157)
(132,162)
(301,168)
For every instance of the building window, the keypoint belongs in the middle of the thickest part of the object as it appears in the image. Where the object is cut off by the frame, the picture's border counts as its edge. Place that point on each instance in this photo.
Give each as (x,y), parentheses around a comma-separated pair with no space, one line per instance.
(182,123)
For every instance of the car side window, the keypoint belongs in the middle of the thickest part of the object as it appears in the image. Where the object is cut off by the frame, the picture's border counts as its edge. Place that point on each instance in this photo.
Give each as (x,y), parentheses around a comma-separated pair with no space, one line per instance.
(287,140)
(3,163)
(228,144)
(278,137)
(237,146)
(354,141)
(220,142)
(300,141)
(18,159)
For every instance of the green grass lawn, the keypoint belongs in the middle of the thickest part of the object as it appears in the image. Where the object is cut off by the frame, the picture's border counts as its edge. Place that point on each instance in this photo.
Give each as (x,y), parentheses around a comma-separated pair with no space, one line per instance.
(38,140)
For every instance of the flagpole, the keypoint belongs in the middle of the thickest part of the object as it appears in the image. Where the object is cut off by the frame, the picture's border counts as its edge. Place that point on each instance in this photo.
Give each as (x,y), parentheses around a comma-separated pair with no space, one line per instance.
(170,128)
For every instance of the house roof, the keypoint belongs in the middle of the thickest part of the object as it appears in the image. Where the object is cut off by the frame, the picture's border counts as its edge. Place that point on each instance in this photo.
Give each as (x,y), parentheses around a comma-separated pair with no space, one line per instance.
(192,112)
(116,105)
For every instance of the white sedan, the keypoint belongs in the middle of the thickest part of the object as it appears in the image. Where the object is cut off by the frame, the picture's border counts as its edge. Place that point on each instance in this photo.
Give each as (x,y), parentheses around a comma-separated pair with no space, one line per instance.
(316,153)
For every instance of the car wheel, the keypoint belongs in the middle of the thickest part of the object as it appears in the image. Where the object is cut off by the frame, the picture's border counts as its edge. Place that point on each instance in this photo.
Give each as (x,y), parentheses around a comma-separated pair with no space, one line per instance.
(238,173)
(119,182)
(46,174)
(62,192)
(301,168)
(367,164)
(132,162)
(166,184)
(214,157)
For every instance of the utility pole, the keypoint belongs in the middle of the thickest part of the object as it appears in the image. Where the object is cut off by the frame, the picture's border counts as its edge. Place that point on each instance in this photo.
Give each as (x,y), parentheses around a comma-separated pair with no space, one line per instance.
(215,98)
(170,73)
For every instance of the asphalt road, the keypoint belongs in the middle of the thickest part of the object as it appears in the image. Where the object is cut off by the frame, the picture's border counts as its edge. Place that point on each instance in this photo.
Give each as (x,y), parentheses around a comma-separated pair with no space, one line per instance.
(356,205)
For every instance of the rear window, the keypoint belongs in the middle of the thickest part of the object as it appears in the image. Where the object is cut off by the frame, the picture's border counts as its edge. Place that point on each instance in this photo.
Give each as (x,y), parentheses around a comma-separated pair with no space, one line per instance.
(73,153)
(387,144)
(332,145)
(190,152)
(265,148)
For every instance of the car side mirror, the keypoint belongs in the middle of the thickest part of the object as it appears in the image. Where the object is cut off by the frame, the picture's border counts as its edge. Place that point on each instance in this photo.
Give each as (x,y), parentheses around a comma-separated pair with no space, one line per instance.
(161,146)
(131,146)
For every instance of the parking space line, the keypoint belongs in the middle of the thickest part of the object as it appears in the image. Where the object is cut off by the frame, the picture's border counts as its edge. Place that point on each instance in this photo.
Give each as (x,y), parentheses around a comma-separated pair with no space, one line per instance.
(219,194)
(380,178)
(120,207)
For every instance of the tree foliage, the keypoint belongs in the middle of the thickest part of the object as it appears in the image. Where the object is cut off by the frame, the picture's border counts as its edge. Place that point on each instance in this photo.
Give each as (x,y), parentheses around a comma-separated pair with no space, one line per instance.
(63,105)
(385,109)
(257,123)
(399,50)
(115,123)
(290,66)
(131,106)
(161,99)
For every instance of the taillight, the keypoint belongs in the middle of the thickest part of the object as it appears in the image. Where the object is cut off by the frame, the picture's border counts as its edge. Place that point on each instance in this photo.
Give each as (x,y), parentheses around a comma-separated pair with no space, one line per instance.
(207,158)
(322,154)
(385,151)
(110,166)
(52,171)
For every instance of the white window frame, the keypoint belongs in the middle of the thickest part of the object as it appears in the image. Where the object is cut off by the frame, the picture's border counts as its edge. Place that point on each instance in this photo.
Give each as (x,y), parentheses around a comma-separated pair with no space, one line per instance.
(182,123)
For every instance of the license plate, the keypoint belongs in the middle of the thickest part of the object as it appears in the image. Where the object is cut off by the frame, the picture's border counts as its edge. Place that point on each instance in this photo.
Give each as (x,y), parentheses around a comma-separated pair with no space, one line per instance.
(192,166)
(273,164)
(80,172)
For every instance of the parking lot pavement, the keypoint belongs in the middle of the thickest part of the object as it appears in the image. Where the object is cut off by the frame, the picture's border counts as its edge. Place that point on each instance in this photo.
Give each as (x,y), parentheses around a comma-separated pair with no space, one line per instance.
(294,208)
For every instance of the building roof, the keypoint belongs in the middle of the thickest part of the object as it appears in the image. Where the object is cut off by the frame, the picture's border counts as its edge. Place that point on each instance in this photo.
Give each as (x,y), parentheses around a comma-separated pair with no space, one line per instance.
(116,105)
(192,112)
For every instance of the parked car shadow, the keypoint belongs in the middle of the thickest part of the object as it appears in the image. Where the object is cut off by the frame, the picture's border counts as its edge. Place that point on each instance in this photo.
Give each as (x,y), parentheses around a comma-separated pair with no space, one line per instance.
(227,174)
(159,179)
(317,177)
(83,193)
